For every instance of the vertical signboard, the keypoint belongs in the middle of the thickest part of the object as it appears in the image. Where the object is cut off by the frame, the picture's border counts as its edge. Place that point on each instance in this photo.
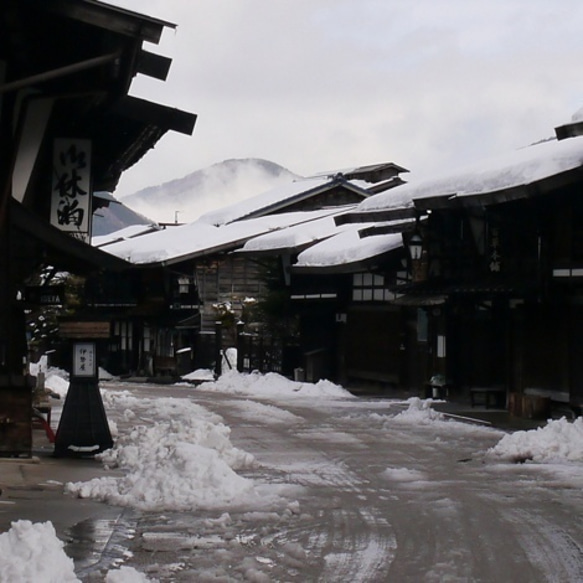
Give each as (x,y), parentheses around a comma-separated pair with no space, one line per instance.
(84,361)
(71,187)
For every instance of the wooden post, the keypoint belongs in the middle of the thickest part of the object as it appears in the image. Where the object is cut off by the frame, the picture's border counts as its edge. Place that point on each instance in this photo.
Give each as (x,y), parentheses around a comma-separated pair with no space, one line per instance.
(218,349)
(240,346)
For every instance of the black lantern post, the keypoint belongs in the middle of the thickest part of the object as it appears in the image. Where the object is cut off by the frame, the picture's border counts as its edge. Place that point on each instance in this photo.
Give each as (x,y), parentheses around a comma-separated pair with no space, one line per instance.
(83,428)
(416,247)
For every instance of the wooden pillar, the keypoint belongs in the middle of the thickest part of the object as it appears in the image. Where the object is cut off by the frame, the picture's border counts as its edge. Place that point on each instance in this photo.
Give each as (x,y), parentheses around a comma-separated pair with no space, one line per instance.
(240,346)
(218,349)
(15,391)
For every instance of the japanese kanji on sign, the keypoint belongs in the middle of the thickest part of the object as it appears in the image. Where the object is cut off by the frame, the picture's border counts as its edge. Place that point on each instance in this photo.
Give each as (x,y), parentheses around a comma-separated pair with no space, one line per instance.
(84,362)
(71,187)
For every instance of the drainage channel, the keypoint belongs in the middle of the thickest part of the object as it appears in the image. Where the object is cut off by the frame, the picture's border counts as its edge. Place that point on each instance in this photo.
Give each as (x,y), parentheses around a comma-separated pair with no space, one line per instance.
(99,545)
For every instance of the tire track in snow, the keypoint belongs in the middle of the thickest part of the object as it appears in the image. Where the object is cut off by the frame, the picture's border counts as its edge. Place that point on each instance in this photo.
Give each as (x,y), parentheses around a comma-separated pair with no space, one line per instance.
(549,547)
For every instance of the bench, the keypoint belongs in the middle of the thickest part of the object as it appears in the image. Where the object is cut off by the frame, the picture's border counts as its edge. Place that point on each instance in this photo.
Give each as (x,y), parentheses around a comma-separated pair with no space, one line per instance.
(164,365)
(550,401)
(488,396)
(553,395)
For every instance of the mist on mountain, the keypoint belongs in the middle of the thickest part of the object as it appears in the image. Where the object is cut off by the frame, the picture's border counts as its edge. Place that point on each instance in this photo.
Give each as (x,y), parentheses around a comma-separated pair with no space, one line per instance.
(115,217)
(185,199)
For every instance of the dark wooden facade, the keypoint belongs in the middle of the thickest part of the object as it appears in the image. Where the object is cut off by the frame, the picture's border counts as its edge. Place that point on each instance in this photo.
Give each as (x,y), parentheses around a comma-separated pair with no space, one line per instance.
(73,89)
(153,314)
(494,305)
(509,275)
(226,285)
(351,331)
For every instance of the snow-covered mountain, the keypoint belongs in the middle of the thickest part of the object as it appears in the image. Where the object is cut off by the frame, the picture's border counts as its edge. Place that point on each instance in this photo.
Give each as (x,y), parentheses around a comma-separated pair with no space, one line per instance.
(116,217)
(221,184)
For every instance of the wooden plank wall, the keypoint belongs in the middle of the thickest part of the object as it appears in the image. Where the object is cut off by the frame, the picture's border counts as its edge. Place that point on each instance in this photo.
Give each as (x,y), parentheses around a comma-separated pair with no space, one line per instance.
(229,279)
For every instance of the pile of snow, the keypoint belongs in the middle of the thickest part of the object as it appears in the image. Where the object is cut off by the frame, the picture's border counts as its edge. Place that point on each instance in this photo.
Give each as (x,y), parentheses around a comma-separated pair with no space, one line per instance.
(127,575)
(57,379)
(57,383)
(273,385)
(404,475)
(420,411)
(105,375)
(181,460)
(32,552)
(200,375)
(558,441)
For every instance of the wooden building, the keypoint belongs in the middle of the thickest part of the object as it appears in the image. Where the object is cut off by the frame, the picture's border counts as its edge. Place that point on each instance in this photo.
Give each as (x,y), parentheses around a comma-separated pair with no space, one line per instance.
(67,128)
(496,282)
(507,262)
(224,281)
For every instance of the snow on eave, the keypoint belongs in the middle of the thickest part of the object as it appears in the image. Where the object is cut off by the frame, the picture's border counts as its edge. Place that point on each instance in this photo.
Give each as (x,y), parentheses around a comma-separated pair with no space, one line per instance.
(352,172)
(278,198)
(346,248)
(199,239)
(297,236)
(123,234)
(520,168)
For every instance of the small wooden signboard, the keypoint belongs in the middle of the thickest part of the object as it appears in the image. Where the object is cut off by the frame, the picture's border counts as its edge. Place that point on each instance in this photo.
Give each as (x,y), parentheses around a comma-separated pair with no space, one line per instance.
(84,330)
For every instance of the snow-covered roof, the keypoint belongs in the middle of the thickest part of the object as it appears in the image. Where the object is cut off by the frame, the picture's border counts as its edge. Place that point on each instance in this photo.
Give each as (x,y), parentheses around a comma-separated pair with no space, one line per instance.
(297,236)
(277,198)
(369,173)
(200,238)
(122,234)
(346,248)
(519,168)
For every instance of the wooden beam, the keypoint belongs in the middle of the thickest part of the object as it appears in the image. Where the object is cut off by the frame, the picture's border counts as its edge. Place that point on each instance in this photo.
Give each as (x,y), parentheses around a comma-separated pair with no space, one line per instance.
(113,18)
(60,72)
(153,65)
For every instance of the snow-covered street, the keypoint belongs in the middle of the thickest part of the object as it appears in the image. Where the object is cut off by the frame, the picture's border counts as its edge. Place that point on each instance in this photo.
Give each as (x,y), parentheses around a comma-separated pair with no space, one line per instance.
(369,490)
(257,478)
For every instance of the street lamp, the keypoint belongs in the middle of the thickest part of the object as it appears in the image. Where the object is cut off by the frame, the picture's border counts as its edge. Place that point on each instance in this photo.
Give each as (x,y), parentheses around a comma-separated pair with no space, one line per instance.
(415,246)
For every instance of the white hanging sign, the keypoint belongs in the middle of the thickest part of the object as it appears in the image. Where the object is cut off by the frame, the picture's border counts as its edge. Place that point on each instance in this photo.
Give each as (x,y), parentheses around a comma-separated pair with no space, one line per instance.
(84,362)
(71,187)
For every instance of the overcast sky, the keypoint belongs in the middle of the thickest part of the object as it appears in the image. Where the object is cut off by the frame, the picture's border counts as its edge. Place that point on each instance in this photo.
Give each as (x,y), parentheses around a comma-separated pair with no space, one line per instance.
(321,84)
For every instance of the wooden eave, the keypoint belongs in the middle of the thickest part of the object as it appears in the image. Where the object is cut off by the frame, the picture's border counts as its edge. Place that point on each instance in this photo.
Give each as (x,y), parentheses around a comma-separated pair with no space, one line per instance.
(368,264)
(276,251)
(385,185)
(522,191)
(377,216)
(99,46)
(60,249)
(210,252)
(121,131)
(375,172)
(163,116)
(106,16)
(305,195)
(127,131)
(485,286)
(391,229)
(153,65)
(348,268)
